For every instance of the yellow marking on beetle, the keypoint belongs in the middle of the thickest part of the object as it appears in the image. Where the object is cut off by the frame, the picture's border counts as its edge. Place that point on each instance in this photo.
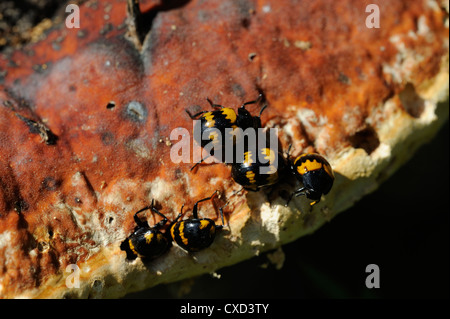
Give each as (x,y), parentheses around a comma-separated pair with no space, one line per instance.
(251,177)
(172,231)
(248,158)
(299,157)
(132,247)
(309,166)
(209,118)
(148,237)
(203,223)
(214,136)
(230,114)
(234,133)
(272,170)
(268,155)
(181,233)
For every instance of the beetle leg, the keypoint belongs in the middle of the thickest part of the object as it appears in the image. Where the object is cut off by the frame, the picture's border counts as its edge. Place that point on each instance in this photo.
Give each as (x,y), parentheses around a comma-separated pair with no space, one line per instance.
(221,216)
(253,102)
(138,221)
(298,192)
(288,155)
(179,215)
(212,104)
(193,117)
(201,161)
(195,209)
(262,109)
(162,222)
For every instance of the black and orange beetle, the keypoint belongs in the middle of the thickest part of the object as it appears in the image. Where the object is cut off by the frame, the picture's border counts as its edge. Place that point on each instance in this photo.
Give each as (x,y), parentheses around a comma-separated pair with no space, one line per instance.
(195,234)
(219,126)
(316,175)
(147,242)
(261,167)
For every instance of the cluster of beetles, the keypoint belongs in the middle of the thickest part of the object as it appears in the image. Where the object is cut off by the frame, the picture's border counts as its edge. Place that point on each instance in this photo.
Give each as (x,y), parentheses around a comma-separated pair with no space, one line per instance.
(195,234)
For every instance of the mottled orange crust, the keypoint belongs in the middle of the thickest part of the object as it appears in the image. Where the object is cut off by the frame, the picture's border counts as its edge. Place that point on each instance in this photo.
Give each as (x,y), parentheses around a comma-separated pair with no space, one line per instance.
(55,198)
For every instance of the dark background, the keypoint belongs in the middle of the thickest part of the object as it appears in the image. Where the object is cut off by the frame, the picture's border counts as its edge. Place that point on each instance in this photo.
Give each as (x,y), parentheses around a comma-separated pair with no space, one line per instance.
(403,227)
